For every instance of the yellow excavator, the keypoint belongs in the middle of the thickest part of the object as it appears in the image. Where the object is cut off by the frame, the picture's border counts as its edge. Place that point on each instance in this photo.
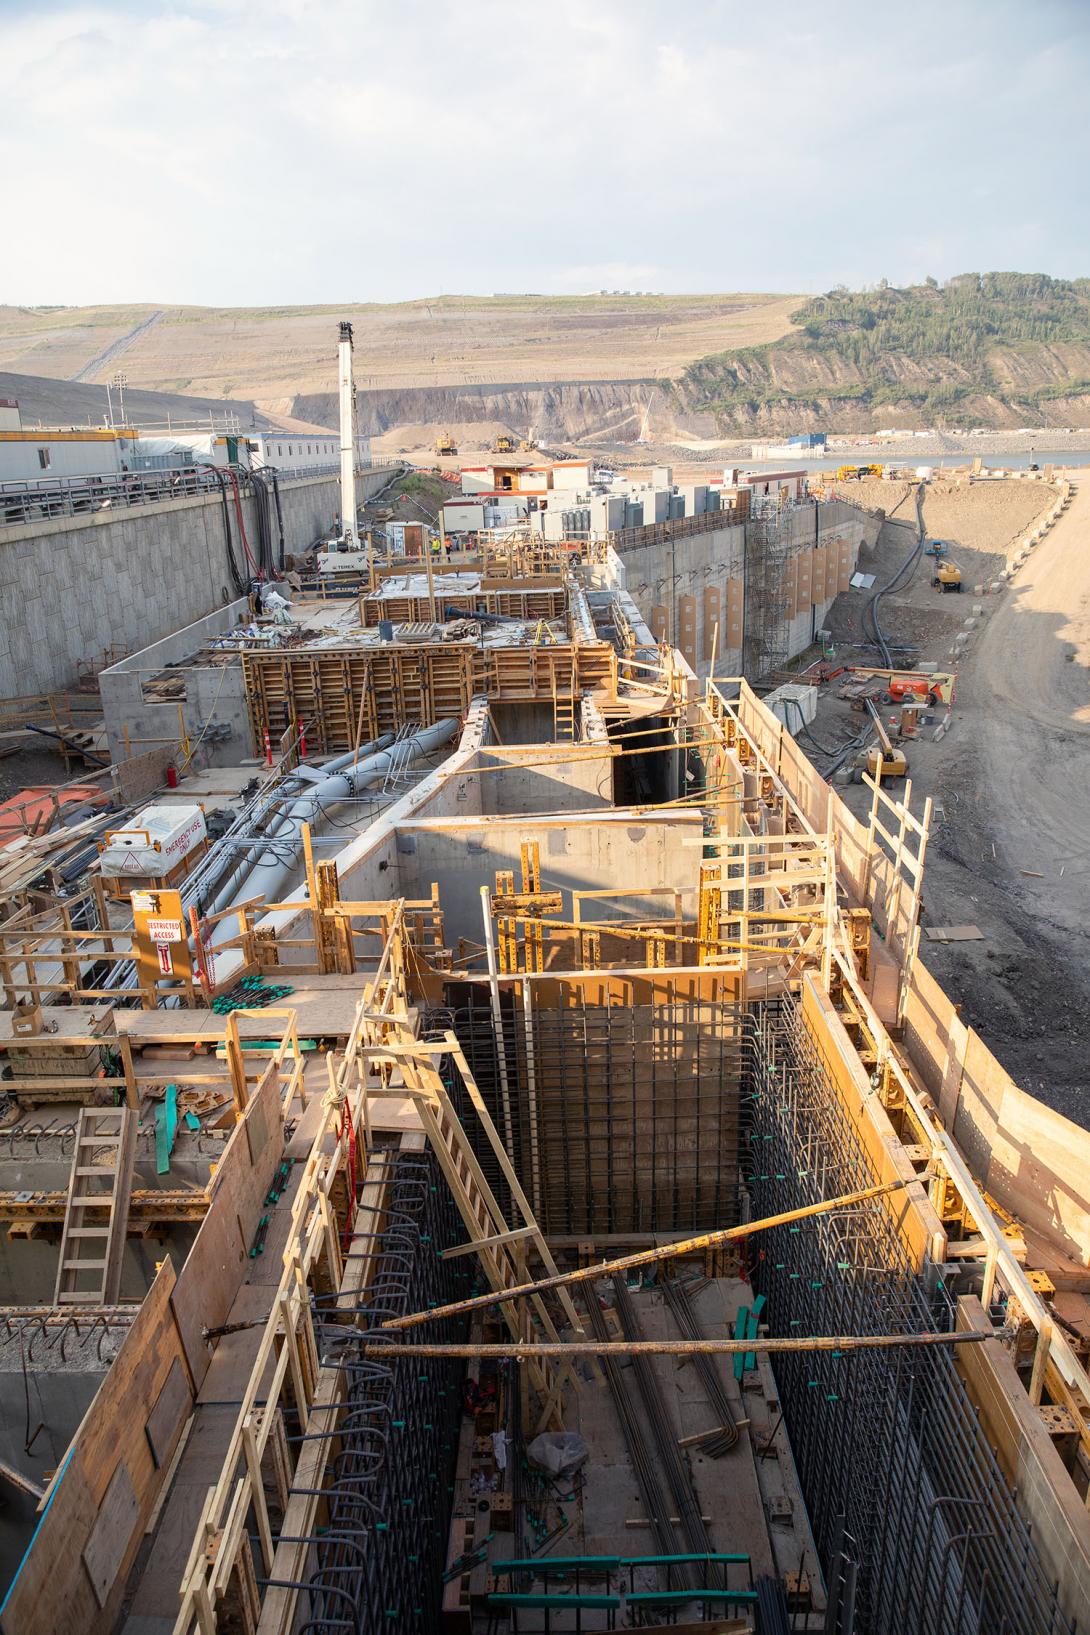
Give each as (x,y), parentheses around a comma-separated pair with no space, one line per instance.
(947,576)
(445,444)
(884,758)
(504,444)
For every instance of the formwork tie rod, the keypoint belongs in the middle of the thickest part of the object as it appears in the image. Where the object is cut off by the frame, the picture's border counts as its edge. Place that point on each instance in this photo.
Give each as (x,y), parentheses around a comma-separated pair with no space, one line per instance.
(522,1349)
(648,1257)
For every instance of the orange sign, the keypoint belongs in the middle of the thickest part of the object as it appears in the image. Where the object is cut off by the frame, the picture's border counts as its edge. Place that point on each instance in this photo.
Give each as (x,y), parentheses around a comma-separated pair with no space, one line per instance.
(159,942)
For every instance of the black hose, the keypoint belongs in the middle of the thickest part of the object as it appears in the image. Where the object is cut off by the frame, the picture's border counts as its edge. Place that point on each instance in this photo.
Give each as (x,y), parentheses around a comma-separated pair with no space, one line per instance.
(238,579)
(279,516)
(910,563)
(264,528)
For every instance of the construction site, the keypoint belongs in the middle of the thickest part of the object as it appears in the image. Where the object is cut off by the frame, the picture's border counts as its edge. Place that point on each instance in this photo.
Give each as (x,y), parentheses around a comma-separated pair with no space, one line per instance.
(482,1147)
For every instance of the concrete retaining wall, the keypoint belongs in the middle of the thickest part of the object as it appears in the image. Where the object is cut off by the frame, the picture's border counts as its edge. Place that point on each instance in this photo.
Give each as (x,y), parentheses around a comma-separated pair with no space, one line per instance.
(71,588)
(662,577)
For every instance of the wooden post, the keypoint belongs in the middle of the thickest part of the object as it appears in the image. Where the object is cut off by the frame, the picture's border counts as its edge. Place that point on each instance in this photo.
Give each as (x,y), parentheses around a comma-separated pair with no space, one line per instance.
(236,1063)
(431,580)
(132,1093)
(98,885)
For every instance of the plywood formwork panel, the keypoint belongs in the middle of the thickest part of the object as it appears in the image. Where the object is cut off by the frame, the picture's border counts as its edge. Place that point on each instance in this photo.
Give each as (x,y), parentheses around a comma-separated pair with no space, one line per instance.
(660,623)
(344,695)
(686,619)
(817,577)
(789,586)
(73,1574)
(736,595)
(713,621)
(844,564)
(915,1219)
(546,603)
(804,594)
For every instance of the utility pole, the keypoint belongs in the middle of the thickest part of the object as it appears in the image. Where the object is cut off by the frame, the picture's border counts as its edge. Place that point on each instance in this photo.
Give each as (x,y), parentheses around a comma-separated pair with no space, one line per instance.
(121,380)
(348,438)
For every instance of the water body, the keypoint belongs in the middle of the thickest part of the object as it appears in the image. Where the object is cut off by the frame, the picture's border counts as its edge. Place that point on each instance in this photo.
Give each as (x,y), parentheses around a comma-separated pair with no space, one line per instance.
(1000,462)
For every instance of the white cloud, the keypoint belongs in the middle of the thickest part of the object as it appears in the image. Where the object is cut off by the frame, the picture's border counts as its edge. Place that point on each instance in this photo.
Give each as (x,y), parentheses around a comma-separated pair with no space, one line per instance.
(313,150)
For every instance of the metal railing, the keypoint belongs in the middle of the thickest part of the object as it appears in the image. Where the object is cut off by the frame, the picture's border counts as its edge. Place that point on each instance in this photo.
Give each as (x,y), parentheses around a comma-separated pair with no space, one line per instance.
(38,499)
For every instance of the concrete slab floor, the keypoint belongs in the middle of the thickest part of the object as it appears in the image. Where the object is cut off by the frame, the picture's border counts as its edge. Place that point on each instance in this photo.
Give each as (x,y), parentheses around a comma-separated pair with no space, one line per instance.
(736,1491)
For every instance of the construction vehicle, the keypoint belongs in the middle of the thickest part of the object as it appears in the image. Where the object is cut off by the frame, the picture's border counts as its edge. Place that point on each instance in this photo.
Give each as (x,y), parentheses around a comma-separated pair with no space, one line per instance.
(504,444)
(884,759)
(445,444)
(528,444)
(847,474)
(935,548)
(947,576)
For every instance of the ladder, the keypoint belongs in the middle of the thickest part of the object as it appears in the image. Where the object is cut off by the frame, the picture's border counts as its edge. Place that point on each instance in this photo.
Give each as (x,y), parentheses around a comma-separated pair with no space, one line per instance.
(564,710)
(502,1252)
(97,1213)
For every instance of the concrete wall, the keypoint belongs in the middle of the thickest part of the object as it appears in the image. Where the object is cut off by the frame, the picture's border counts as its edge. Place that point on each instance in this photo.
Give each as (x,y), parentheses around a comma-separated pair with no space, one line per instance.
(681,585)
(578,785)
(73,587)
(212,693)
(608,851)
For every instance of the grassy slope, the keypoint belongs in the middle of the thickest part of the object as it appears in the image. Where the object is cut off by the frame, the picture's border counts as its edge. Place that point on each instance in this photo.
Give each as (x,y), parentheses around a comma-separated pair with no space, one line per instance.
(996,348)
(277,353)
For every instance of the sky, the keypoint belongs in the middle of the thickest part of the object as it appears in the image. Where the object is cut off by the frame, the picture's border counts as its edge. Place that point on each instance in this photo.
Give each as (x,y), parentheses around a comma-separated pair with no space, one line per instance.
(311,151)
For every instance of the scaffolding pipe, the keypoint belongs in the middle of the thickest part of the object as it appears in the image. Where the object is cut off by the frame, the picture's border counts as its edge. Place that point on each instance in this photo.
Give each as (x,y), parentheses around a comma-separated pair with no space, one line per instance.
(649,1257)
(520,1350)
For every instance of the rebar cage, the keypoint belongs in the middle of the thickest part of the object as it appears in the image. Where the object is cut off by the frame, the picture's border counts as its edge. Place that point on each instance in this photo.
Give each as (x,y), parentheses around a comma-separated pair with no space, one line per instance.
(377,1562)
(913,1518)
(624,1119)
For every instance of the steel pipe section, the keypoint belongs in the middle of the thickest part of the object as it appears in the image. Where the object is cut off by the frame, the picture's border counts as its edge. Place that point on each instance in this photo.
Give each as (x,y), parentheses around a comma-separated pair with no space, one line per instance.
(276,861)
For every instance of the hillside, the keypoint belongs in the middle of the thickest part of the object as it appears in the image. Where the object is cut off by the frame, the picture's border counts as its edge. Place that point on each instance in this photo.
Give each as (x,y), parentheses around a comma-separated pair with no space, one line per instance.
(53,402)
(1000,349)
(275,355)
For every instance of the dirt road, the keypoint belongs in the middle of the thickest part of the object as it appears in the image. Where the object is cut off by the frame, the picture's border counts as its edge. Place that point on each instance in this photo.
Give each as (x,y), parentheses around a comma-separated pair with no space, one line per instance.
(1012,849)
(1027,703)
(115,349)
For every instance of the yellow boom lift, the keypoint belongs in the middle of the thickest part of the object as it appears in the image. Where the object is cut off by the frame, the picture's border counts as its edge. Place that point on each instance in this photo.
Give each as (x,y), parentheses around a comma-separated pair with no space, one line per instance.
(884,759)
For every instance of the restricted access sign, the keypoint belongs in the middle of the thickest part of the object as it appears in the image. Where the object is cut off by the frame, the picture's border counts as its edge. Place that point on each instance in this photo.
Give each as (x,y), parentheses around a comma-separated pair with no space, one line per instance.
(159,942)
(164,930)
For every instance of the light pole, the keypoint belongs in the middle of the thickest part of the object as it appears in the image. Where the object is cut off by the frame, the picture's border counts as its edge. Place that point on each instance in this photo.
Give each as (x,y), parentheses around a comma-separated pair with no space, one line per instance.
(121,380)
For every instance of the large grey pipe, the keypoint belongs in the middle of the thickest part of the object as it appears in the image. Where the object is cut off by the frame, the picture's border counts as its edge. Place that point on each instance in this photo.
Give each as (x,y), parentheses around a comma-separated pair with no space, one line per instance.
(280,858)
(235,869)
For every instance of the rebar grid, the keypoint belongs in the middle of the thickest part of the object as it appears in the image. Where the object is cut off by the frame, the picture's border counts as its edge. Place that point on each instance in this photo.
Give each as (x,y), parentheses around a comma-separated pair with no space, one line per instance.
(635,1111)
(378,1561)
(889,1448)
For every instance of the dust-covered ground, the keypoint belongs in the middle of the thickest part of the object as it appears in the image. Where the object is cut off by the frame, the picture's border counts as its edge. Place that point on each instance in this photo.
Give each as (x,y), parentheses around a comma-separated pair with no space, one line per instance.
(1010,781)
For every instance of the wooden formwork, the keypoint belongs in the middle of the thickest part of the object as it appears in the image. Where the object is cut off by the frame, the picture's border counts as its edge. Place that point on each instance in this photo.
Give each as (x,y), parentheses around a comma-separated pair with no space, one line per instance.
(546,602)
(343,696)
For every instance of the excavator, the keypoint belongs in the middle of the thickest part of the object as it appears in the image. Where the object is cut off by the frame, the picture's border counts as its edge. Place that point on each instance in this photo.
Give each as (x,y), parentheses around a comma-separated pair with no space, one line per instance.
(884,759)
(445,444)
(947,576)
(504,444)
